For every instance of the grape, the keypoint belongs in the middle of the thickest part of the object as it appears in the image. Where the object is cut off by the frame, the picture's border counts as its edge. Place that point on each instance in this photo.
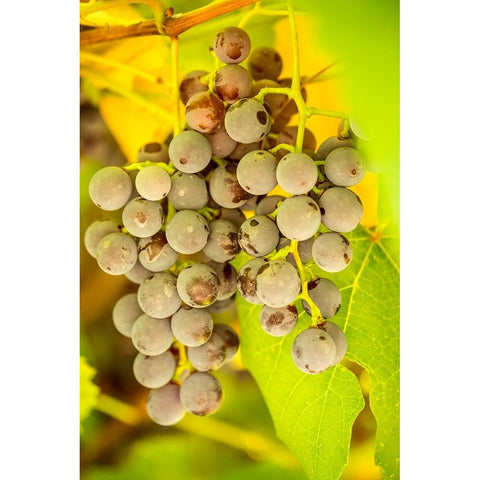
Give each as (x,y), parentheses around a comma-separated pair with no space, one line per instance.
(265,62)
(289,136)
(201,394)
(152,182)
(278,322)
(298,218)
(313,351)
(158,296)
(190,151)
(222,145)
(154,371)
(258,236)
(278,283)
(247,280)
(153,152)
(230,338)
(138,273)
(305,249)
(268,205)
(192,326)
(187,232)
(297,173)
(276,101)
(338,337)
(331,144)
(236,216)
(198,285)
(116,253)
(332,252)
(225,307)
(143,218)
(251,203)
(243,148)
(222,244)
(96,231)
(110,188)
(152,336)
(341,209)
(188,192)
(227,276)
(232,45)
(233,82)
(225,189)
(345,166)
(125,311)
(256,172)
(247,121)
(164,406)
(209,356)
(325,295)
(192,84)
(204,113)
(155,254)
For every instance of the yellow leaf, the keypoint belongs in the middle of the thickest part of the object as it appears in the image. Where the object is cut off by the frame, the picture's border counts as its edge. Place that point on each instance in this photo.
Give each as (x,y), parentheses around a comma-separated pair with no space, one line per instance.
(132,125)
(125,15)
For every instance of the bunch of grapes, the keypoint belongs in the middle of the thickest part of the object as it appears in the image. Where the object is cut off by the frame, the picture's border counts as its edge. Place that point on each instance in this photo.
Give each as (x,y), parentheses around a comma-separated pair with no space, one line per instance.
(183,223)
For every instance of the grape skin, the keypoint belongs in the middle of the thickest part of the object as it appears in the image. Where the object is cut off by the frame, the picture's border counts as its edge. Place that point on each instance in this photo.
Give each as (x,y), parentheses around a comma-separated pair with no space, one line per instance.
(125,311)
(152,336)
(138,273)
(187,232)
(110,188)
(325,295)
(298,218)
(222,145)
(204,113)
(153,152)
(201,394)
(345,166)
(265,63)
(225,188)
(230,338)
(332,252)
(278,322)
(95,232)
(341,209)
(222,244)
(209,356)
(191,84)
(158,296)
(233,82)
(155,254)
(278,283)
(297,173)
(116,253)
(188,191)
(338,337)
(247,280)
(258,236)
(154,371)
(164,406)
(313,351)
(143,218)
(232,45)
(256,172)
(153,183)
(331,144)
(198,285)
(227,276)
(190,151)
(192,326)
(247,121)
(268,205)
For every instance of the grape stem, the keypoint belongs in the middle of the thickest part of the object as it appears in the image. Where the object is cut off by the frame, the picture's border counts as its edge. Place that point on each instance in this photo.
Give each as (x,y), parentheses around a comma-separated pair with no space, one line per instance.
(171,25)
(314,310)
(284,146)
(258,10)
(177,128)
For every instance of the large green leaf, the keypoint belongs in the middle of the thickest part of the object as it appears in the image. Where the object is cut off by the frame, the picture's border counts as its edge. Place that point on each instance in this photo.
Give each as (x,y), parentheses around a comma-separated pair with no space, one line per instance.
(313,415)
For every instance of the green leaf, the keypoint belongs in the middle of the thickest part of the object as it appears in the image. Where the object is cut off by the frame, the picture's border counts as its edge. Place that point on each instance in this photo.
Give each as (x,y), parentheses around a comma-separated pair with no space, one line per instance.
(89,392)
(312,414)
(370,318)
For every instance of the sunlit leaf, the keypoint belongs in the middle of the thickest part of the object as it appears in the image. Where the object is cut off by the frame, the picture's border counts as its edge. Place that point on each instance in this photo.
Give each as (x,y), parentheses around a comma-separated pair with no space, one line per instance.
(88,390)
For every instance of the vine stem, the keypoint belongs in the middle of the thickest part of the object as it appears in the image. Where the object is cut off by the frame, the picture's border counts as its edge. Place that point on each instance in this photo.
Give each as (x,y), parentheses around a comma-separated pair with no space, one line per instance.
(171,26)
(177,128)
(314,310)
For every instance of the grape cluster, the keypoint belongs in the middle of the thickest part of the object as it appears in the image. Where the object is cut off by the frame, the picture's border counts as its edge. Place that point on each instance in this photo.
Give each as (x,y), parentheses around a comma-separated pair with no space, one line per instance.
(183,222)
